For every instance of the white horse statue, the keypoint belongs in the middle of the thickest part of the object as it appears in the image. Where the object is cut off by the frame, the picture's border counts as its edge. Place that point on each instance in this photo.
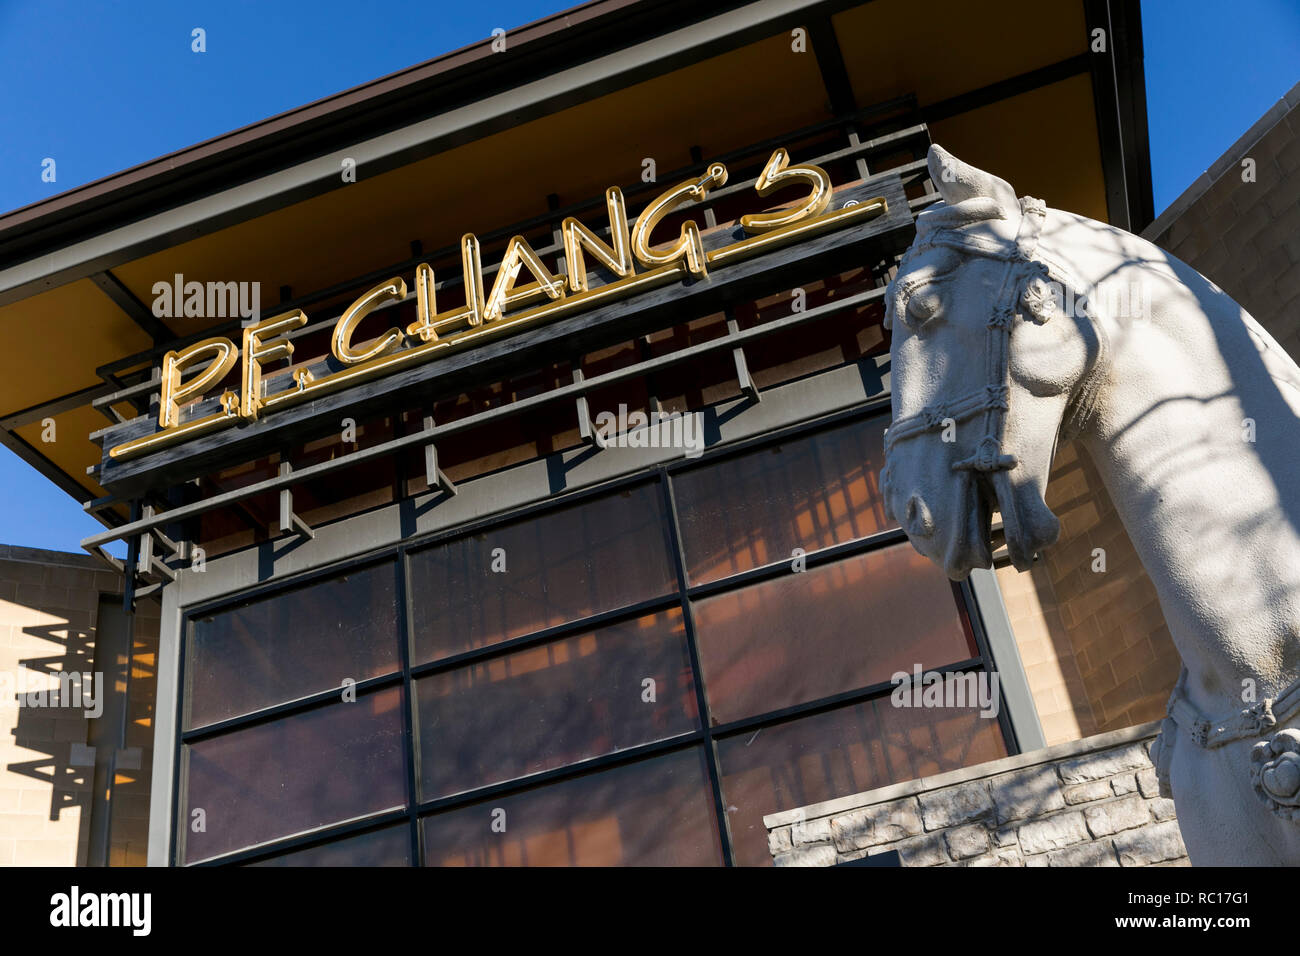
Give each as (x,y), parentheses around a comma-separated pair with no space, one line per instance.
(1014,326)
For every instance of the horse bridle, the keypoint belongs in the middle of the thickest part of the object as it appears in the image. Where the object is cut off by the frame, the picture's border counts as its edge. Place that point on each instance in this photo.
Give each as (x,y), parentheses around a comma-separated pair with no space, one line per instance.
(990,402)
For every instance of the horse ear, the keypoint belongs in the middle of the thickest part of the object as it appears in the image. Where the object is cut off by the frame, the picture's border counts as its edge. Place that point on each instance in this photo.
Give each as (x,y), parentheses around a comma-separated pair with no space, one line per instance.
(958,181)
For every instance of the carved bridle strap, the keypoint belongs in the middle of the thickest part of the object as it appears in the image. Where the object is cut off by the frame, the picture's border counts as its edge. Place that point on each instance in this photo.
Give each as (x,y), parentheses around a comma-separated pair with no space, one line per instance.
(1248,722)
(990,402)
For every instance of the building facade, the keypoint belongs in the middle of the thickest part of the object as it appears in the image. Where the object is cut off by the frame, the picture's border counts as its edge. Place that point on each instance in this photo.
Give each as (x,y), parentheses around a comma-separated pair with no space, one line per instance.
(76,702)
(501,443)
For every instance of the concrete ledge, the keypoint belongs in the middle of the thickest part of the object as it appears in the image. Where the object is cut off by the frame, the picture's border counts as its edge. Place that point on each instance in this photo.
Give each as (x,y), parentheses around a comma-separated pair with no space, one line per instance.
(1073,748)
(69,559)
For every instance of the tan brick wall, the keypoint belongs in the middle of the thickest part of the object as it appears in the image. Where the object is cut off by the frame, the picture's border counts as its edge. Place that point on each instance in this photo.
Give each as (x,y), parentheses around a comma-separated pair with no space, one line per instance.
(1125,657)
(49,603)
(1096,650)
(1095,647)
(129,845)
(1245,236)
(1046,653)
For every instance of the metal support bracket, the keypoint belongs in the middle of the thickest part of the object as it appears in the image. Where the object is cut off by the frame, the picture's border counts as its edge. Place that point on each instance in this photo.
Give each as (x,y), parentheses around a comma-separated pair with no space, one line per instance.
(288,520)
(161,568)
(146,560)
(144,550)
(586,427)
(742,367)
(434,476)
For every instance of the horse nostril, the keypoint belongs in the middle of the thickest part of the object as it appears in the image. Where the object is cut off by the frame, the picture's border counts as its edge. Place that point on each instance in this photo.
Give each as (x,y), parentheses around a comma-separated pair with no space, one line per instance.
(919,521)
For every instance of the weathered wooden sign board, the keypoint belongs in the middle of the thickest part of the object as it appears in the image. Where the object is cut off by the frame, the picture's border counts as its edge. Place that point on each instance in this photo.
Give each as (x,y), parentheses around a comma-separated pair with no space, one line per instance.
(633,288)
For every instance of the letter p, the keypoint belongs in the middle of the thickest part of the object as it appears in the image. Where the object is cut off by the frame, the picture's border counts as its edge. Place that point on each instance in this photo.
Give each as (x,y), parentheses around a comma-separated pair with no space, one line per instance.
(223,353)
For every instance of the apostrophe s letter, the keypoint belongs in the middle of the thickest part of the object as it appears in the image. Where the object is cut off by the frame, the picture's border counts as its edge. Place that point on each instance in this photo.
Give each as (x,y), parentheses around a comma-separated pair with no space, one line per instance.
(777,174)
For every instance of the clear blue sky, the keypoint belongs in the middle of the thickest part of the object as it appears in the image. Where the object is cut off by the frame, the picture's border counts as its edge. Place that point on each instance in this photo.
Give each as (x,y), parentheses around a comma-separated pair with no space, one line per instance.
(101,86)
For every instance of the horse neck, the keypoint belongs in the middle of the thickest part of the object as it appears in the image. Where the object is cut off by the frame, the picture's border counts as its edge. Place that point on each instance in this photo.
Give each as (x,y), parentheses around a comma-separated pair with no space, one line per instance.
(1196,434)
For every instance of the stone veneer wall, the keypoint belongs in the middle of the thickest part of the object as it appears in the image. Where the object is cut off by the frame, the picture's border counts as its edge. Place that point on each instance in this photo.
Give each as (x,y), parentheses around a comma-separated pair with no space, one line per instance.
(1092,802)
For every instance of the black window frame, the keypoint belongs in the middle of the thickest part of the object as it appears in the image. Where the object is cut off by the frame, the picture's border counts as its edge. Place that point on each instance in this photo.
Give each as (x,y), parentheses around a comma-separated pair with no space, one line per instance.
(683,596)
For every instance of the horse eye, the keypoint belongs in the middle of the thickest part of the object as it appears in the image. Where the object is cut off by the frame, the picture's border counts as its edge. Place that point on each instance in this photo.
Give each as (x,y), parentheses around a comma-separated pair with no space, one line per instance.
(923,306)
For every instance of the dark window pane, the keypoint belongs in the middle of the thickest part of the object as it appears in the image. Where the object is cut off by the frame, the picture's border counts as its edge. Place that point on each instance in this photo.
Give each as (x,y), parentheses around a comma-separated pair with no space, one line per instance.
(827,630)
(560,566)
(292,644)
(841,752)
(390,846)
(547,706)
(756,508)
(655,812)
(294,774)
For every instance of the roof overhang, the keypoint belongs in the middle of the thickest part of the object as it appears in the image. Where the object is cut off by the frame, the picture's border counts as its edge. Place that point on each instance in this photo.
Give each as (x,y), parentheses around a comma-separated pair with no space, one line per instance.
(475,140)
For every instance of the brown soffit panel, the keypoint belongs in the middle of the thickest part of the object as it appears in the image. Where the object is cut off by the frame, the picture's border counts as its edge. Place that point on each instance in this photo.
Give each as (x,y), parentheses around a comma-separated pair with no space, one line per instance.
(1060,163)
(358,98)
(503,178)
(552,64)
(56,340)
(955,47)
(71,451)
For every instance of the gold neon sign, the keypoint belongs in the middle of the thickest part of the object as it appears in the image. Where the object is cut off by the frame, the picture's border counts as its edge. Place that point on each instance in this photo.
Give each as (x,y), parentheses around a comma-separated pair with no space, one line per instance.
(490,312)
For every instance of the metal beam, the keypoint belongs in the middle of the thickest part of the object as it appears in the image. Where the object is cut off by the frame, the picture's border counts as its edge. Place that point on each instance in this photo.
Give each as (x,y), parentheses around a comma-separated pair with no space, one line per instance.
(427,436)
(743,378)
(55,406)
(433,475)
(594,328)
(289,520)
(516,95)
(136,310)
(830,61)
(586,427)
(1105,96)
(1130,79)
(1006,656)
(46,467)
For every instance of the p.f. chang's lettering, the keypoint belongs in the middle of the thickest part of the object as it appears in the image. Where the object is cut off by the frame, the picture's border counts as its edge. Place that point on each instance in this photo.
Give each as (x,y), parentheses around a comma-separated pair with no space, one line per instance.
(633,256)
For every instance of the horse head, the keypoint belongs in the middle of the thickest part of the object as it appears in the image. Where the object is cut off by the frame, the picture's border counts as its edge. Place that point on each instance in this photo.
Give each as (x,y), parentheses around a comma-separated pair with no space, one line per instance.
(987,370)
